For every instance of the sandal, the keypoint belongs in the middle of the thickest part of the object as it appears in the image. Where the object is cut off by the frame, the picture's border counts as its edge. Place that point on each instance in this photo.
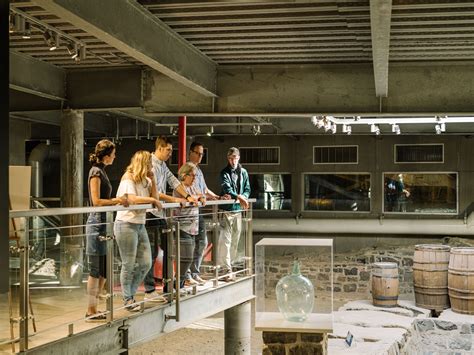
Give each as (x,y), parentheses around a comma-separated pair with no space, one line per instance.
(98,317)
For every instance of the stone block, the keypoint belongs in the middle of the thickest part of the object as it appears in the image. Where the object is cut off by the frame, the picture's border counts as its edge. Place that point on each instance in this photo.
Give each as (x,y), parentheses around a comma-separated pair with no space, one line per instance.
(352,271)
(441,324)
(460,343)
(312,337)
(350,288)
(275,349)
(424,325)
(273,269)
(278,337)
(323,277)
(466,328)
(407,261)
(364,276)
(336,289)
(341,279)
(306,349)
(352,278)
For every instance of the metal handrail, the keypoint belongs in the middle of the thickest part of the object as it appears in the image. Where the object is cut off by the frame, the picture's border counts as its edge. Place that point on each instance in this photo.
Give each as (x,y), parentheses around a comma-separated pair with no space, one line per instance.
(80,210)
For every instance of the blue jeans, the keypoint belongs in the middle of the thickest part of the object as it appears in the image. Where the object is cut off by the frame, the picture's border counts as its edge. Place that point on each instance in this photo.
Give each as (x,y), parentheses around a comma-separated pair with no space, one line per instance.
(135,252)
(200,244)
(186,246)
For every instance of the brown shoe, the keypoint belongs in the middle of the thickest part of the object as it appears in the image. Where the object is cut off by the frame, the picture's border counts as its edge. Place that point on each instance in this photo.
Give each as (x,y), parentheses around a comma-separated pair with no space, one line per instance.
(200,280)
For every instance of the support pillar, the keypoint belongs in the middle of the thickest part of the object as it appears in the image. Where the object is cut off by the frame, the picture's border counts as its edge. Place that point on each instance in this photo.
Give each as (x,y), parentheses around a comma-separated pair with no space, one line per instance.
(72,180)
(182,141)
(237,324)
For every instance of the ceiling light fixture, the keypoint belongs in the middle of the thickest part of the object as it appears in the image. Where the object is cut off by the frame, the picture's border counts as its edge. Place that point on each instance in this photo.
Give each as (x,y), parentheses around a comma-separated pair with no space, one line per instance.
(376,130)
(349,130)
(438,129)
(334,128)
(27,32)
(314,120)
(211,131)
(51,40)
(256,130)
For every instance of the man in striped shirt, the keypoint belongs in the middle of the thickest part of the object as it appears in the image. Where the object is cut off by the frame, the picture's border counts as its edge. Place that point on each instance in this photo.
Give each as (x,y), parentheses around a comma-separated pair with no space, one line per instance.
(156,221)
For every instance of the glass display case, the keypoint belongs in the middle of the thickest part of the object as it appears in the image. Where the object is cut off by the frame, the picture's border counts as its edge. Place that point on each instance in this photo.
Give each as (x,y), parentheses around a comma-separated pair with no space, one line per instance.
(294,285)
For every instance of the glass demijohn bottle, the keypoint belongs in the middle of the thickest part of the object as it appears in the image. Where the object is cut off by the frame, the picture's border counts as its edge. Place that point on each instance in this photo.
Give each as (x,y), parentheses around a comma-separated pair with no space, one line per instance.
(295,295)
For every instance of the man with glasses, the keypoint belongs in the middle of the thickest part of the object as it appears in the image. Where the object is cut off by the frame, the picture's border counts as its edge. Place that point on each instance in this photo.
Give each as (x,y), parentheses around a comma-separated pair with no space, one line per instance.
(156,219)
(234,183)
(196,152)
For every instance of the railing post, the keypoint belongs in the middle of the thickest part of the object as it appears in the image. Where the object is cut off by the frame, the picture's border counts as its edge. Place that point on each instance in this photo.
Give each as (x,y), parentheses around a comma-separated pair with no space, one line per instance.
(24,286)
(178,271)
(168,258)
(110,266)
(249,240)
(215,233)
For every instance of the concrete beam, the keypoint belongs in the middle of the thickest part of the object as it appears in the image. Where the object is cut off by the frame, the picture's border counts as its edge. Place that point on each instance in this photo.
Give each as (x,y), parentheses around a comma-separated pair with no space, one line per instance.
(127,26)
(35,77)
(317,89)
(104,88)
(380,17)
(21,101)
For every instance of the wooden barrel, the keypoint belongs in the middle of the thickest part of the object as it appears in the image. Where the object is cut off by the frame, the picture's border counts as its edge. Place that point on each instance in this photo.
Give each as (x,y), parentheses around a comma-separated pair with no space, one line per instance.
(461,280)
(385,284)
(430,276)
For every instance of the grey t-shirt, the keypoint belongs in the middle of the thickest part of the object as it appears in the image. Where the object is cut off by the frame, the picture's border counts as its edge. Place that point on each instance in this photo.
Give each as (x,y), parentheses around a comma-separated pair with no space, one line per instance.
(105,185)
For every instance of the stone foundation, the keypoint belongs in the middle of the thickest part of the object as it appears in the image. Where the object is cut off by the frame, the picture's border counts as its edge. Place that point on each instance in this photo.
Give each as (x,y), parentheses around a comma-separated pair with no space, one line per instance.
(278,343)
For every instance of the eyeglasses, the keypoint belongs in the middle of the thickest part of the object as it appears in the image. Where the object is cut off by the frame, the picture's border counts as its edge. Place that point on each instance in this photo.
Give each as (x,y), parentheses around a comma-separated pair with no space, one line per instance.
(200,154)
(192,175)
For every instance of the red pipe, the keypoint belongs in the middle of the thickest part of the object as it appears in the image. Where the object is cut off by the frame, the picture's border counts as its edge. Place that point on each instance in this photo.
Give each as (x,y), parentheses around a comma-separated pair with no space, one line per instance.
(182,141)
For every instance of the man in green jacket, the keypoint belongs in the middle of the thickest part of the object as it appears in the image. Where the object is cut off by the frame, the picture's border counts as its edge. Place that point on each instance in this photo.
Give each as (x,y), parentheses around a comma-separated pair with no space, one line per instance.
(234,183)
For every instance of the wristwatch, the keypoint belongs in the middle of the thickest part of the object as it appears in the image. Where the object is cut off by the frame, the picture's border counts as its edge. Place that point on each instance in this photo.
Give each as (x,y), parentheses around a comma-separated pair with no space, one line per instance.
(187,196)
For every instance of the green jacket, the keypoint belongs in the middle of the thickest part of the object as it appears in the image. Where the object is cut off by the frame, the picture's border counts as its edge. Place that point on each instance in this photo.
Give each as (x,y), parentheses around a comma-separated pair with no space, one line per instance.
(228,186)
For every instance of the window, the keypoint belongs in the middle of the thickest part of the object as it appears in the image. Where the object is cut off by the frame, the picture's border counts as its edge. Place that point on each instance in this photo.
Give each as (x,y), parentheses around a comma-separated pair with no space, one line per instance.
(420,192)
(337,192)
(272,191)
(174,157)
(345,154)
(419,153)
(260,155)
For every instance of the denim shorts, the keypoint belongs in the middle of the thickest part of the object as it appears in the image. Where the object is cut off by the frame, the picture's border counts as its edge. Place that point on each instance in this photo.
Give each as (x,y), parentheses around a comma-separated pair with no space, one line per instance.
(98,266)
(94,246)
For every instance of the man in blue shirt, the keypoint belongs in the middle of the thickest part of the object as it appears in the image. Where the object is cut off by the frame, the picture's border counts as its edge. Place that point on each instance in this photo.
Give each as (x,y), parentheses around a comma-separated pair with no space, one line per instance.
(235,183)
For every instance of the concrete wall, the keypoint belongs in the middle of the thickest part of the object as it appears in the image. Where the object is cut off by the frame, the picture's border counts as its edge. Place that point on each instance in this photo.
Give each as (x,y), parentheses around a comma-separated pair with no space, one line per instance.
(19,131)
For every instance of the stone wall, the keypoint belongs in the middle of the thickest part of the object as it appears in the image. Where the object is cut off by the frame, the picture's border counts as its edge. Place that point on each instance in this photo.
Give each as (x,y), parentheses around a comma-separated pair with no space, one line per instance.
(278,343)
(351,270)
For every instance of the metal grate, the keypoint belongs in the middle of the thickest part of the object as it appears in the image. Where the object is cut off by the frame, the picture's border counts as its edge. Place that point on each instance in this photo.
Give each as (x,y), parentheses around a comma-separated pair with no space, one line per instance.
(346,154)
(419,153)
(260,155)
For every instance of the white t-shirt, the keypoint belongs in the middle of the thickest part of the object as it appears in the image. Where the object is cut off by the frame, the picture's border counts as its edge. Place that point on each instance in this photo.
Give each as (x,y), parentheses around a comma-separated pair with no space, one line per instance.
(142,189)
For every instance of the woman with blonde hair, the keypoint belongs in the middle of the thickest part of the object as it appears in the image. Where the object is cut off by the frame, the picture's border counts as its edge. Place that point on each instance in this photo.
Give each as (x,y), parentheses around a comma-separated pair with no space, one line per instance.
(138,184)
(100,192)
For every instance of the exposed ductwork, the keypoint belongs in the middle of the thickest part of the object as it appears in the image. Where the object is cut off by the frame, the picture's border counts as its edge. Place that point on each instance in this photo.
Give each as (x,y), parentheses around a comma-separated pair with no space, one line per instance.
(38,156)
(367,226)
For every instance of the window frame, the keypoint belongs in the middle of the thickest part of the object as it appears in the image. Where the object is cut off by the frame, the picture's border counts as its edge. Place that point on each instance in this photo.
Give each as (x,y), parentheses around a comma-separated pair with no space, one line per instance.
(336,146)
(262,147)
(420,213)
(417,162)
(291,191)
(302,206)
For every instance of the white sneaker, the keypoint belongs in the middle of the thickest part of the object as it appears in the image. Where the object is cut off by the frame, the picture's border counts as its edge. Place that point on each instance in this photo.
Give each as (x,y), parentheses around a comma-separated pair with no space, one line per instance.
(199,280)
(154,297)
(131,305)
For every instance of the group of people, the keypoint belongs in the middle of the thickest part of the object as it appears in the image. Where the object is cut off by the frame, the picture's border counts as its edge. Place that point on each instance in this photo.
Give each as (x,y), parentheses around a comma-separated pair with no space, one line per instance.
(139,233)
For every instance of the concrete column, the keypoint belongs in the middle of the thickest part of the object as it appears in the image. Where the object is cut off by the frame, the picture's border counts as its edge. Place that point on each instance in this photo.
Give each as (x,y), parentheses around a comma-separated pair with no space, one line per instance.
(72,180)
(237,323)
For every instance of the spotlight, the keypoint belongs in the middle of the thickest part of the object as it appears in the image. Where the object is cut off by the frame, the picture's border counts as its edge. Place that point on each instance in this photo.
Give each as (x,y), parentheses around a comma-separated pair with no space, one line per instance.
(173,130)
(211,131)
(349,130)
(314,120)
(72,49)
(50,40)
(320,123)
(443,127)
(438,129)
(256,130)
(27,31)
(327,125)
(334,128)
(394,127)
(373,128)
(344,128)
(377,130)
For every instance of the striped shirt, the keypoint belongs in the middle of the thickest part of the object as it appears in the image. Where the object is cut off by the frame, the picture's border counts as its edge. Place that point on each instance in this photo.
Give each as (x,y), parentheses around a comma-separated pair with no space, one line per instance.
(163,176)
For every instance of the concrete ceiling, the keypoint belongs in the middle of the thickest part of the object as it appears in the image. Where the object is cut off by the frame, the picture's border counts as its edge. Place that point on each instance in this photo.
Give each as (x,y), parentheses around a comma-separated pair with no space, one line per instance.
(234,58)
